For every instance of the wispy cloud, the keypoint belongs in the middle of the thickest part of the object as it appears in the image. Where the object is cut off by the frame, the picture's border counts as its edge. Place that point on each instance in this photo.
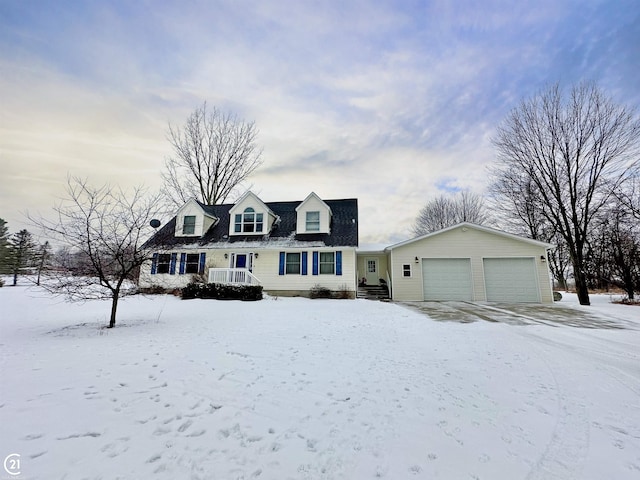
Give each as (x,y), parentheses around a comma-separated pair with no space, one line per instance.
(391,102)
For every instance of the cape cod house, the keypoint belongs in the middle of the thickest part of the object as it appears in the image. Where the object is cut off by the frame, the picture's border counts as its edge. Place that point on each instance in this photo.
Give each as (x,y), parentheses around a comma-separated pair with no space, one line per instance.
(291,247)
(287,247)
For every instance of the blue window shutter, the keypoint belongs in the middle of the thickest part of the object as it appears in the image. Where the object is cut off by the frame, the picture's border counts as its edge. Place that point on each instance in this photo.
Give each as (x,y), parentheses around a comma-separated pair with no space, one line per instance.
(339,262)
(315,263)
(304,263)
(203,258)
(172,265)
(154,264)
(281,266)
(183,262)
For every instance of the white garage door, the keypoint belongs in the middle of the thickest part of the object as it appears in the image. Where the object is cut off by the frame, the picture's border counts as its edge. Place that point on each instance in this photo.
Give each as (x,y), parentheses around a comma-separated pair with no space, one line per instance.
(446,278)
(511,280)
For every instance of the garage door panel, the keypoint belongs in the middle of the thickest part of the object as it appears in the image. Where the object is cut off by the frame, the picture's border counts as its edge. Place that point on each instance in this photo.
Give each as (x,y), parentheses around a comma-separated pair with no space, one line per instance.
(511,279)
(446,279)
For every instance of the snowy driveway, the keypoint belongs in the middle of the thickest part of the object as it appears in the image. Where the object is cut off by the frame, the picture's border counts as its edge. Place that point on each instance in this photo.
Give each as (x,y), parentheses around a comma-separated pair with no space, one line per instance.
(558,314)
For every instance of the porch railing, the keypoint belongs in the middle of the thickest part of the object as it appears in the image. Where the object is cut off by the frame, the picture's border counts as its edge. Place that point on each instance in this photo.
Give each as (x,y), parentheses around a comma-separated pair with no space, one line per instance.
(232,276)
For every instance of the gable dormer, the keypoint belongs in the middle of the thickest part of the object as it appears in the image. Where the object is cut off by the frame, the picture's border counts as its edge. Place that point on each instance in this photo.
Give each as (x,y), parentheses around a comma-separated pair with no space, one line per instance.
(250,216)
(193,221)
(313,216)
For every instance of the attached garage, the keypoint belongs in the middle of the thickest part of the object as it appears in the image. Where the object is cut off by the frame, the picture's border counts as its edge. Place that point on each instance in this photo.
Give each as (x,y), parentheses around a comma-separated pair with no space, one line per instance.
(468,262)
(512,280)
(447,279)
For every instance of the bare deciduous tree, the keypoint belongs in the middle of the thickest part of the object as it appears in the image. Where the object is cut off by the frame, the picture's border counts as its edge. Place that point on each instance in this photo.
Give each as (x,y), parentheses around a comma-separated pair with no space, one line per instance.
(445,211)
(576,151)
(103,230)
(213,154)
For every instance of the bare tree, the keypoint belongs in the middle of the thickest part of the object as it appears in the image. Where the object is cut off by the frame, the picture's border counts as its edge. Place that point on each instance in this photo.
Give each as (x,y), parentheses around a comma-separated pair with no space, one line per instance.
(575,151)
(443,212)
(103,230)
(43,260)
(213,154)
(518,206)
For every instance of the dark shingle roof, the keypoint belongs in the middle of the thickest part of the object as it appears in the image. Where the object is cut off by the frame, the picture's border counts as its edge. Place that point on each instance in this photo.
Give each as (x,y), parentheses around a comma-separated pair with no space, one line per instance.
(344,227)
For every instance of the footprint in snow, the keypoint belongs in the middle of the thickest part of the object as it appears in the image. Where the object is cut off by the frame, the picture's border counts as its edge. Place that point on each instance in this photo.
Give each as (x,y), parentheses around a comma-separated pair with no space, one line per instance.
(184,426)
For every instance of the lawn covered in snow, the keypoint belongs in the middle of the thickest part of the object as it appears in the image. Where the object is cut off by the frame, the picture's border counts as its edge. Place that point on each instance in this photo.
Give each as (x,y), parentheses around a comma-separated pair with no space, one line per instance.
(292,388)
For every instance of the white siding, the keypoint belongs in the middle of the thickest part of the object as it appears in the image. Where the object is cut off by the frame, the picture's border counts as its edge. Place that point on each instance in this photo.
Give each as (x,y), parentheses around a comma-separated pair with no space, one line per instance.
(203,222)
(266,269)
(463,242)
(313,204)
(250,200)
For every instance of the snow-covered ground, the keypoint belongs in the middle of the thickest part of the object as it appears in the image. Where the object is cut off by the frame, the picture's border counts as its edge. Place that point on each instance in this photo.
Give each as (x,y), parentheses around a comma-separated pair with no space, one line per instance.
(292,388)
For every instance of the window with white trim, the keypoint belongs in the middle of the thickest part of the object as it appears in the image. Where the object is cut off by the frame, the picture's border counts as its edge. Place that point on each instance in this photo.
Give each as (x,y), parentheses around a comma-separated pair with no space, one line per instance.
(189,225)
(327,263)
(248,222)
(313,222)
(406,270)
(292,264)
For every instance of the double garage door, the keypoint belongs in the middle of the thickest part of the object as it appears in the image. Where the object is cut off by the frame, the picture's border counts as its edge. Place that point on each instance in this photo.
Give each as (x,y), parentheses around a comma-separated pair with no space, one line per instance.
(511,280)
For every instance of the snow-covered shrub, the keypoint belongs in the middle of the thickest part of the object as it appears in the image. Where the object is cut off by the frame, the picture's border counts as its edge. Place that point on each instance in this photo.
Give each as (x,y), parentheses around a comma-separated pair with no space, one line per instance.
(218,291)
(557,296)
(318,291)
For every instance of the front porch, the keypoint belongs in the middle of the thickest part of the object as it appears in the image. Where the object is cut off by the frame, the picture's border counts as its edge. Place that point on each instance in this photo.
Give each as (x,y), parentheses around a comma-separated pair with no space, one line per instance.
(232,276)
(374,281)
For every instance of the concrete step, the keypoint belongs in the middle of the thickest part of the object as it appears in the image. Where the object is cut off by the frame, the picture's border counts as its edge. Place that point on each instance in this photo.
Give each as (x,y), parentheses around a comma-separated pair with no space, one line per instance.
(373,292)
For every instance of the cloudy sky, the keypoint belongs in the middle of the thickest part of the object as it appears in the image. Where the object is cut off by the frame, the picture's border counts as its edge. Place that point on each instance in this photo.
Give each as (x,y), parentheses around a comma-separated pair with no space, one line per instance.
(393,102)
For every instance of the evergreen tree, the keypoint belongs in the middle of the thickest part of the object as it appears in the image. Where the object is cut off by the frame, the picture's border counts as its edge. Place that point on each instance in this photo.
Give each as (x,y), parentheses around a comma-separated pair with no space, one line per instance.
(5,249)
(23,253)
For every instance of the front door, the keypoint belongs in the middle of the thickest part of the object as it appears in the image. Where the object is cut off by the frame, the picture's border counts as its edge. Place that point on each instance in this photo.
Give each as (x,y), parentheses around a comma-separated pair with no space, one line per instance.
(371,271)
(242,260)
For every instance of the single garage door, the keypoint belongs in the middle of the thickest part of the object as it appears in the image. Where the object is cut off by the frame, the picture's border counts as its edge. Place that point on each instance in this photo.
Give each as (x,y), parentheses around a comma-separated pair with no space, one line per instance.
(446,278)
(511,280)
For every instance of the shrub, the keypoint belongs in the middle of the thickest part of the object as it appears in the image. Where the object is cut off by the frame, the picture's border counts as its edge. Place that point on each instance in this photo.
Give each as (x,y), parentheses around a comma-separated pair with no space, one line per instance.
(154,290)
(219,291)
(343,292)
(1,283)
(557,296)
(318,291)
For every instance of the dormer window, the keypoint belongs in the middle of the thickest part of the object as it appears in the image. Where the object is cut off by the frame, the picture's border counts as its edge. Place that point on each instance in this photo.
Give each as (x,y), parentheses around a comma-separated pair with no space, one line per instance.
(189,225)
(248,222)
(313,222)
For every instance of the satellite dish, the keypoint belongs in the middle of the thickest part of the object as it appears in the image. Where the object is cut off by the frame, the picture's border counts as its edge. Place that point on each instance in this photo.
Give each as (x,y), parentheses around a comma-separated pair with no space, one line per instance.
(155,223)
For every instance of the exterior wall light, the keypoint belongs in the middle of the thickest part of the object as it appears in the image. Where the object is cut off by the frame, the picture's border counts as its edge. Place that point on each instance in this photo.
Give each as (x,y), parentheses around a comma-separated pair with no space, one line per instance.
(543,258)
(417,260)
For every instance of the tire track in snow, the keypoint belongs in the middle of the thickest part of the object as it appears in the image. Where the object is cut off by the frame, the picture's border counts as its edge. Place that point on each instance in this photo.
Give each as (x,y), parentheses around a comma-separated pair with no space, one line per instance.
(565,454)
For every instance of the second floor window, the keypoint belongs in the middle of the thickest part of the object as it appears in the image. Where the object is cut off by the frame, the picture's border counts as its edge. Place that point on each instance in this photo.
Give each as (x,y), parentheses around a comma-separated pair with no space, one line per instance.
(313,222)
(189,225)
(248,222)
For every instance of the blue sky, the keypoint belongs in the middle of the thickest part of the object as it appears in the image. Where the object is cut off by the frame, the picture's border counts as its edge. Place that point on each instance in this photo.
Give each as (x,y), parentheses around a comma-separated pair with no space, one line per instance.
(392,102)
